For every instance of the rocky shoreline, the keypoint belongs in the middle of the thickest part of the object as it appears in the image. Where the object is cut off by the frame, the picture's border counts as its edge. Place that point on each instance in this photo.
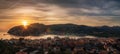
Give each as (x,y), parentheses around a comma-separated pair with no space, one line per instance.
(58,45)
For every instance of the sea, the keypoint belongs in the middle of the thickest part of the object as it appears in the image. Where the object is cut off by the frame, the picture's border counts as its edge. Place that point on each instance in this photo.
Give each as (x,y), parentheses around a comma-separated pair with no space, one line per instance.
(5,35)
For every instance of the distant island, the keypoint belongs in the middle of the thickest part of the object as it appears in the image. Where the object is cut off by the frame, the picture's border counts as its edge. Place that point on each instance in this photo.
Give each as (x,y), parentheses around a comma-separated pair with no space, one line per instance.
(37,29)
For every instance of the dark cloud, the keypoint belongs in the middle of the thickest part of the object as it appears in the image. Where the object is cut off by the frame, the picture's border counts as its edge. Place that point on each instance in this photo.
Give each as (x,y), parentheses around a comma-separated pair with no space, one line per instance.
(104,7)
(64,3)
(64,8)
(101,7)
(81,3)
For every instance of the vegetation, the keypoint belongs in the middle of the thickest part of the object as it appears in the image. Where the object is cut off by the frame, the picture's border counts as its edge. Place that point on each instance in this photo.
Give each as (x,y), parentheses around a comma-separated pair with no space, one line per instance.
(65,29)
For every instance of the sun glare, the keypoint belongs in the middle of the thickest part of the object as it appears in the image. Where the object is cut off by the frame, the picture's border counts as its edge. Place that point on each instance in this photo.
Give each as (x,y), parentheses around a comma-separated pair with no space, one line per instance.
(25,23)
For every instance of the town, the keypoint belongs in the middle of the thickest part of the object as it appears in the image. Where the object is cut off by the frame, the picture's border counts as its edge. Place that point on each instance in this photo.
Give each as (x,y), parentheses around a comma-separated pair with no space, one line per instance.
(66,45)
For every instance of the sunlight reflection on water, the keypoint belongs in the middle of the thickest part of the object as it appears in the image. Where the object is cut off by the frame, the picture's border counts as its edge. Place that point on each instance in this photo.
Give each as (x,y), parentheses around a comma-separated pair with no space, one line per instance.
(4,35)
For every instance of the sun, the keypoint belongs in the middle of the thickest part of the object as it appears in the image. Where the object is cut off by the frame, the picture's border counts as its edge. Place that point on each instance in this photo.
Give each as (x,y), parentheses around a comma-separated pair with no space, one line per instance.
(24,22)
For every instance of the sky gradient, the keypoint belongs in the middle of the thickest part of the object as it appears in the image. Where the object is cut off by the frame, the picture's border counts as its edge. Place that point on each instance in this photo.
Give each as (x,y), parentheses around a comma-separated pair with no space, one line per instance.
(81,12)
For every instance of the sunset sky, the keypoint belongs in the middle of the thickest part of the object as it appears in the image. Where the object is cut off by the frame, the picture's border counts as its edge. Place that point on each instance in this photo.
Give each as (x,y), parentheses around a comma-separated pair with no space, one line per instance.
(81,12)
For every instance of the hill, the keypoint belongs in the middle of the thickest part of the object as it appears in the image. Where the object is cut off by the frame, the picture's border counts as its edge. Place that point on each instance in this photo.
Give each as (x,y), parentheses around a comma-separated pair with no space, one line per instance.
(37,29)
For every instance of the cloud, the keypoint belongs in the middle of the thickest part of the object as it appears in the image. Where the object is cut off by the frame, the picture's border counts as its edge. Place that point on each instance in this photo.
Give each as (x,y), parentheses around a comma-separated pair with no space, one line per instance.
(87,7)
(88,12)
(94,20)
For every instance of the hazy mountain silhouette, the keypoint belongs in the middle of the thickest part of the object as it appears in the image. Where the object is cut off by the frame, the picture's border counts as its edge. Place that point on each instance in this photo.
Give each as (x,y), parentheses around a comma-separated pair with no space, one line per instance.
(37,29)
